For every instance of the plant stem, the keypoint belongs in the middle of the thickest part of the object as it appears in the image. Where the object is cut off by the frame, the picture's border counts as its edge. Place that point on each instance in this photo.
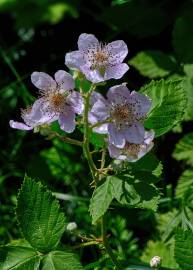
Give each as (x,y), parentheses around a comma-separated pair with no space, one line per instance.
(65,139)
(86,142)
(95,172)
(91,243)
(107,246)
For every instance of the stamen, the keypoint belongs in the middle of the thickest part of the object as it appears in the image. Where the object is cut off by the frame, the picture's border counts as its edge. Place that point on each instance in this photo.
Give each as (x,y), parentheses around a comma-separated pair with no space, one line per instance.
(55,100)
(26,111)
(131,149)
(123,113)
(98,56)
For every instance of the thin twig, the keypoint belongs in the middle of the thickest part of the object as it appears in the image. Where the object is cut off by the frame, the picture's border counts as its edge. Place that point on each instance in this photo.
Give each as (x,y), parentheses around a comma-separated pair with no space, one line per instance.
(65,139)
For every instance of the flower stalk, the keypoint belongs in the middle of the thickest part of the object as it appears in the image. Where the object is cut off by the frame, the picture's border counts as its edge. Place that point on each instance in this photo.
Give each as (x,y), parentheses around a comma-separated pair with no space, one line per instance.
(95,173)
(86,140)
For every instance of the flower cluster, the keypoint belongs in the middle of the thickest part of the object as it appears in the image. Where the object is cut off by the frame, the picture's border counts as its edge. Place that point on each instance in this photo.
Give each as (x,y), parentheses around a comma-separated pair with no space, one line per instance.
(120,115)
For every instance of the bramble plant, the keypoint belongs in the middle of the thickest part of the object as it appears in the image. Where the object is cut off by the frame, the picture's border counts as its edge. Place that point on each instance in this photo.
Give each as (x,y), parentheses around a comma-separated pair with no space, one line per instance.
(116,124)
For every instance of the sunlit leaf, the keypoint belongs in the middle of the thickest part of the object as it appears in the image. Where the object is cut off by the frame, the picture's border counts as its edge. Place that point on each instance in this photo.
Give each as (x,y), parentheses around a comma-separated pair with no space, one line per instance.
(184,149)
(169,102)
(39,216)
(184,249)
(153,64)
(60,260)
(18,258)
(163,250)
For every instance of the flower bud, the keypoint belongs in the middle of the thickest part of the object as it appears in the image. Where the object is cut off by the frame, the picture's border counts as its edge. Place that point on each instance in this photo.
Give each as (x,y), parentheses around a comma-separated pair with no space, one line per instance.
(71,226)
(155,262)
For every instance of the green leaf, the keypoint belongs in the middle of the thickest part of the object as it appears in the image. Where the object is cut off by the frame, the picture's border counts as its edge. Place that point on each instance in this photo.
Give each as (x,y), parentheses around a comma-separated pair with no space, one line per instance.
(188,86)
(167,223)
(124,191)
(153,64)
(62,158)
(39,216)
(165,251)
(81,82)
(125,18)
(101,199)
(135,191)
(185,184)
(98,140)
(183,37)
(18,258)
(56,11)
(169,102)
(184,149)
(184,249)
(130,190)
(60,260)
(148,165)
(188,70)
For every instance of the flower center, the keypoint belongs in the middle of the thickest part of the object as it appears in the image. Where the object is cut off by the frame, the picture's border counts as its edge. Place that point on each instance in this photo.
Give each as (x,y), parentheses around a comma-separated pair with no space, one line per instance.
(98,57)
(131,149)
(57,101)
(101,57)
(123,113)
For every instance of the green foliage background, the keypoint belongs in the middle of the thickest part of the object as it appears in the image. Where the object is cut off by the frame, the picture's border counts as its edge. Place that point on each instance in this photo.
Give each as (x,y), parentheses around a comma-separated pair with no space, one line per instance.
(35,35)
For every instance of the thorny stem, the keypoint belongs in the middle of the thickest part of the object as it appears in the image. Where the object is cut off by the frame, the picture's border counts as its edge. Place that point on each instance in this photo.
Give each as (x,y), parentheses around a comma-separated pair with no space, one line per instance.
(103,158)
(94,171)
(86,244)
(106,244)
(65,139)
(86,142)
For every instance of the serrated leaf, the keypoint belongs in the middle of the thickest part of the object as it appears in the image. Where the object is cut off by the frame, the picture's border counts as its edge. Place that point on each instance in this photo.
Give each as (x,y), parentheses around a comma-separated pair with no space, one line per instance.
(165,251)
(38,212)
(153,64)
(167,223)
(101,199)
(184,149)
(184,249)
(134,191)
(183,37)
(60,260)
(188,86)
(124,191)
(169,102)
(18,258)
(150,165)
(130,190)
(149,196)
(185,184)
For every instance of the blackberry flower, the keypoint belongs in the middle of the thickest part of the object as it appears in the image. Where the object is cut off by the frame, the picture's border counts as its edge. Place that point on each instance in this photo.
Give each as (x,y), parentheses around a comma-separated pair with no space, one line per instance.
(58,101)
(132,152)
(98,62)
(120,115)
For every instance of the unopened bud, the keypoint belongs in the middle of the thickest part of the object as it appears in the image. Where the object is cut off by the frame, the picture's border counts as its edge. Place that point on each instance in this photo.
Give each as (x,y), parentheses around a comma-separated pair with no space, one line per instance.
(71,226)
(155,262)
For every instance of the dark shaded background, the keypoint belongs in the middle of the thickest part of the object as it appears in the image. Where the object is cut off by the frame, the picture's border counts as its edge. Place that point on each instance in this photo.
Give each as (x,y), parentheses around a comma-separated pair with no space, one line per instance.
(33,40)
